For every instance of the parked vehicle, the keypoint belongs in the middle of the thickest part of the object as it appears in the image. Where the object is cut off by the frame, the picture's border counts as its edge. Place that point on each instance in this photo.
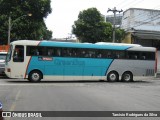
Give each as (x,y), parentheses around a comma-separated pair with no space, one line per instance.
(2,61)
(1,118)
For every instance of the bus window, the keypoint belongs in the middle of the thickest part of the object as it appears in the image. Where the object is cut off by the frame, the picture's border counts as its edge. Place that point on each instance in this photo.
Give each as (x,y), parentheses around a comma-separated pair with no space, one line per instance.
(99,54)
(74,52)
(18,55)
(58,52)
(40,51)
(149,55)
(66,52)
(143,56)
(50,51)
(35,51)
(133,55)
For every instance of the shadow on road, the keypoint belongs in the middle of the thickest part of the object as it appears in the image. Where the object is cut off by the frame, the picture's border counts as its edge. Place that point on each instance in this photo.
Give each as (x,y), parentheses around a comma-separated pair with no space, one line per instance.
(79,81)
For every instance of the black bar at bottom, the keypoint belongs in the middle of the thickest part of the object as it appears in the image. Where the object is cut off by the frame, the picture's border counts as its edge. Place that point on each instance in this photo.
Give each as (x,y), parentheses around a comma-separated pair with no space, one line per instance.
(81,113)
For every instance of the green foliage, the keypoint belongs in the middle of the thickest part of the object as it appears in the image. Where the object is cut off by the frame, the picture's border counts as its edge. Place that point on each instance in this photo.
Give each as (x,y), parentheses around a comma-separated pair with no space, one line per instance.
(22,25)
(120,35)
(3,29)
(91,27)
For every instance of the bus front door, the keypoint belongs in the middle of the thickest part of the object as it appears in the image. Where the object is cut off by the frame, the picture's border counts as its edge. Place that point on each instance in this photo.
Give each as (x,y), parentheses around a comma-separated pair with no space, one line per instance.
(18,65)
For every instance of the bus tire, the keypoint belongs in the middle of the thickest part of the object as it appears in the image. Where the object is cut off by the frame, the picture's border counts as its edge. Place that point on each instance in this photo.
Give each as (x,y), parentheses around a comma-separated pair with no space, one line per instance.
(113,76)
(127,77)
(35,76)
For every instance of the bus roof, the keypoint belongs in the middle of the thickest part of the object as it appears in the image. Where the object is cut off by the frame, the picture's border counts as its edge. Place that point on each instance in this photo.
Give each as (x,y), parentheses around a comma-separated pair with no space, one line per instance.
(78,45)
(119,44)
(69,44)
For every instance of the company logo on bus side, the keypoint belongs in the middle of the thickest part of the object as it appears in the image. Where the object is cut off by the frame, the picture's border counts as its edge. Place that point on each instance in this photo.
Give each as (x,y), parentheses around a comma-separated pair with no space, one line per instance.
(45,58)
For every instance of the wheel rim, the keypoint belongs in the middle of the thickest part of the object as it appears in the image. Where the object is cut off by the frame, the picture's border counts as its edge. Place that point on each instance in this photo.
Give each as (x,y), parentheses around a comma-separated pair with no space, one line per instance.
(127,77)
(35,76)
(113,77)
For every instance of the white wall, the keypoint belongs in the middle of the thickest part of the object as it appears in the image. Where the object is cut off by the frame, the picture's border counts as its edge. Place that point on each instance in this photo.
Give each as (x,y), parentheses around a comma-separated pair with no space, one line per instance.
(141,19)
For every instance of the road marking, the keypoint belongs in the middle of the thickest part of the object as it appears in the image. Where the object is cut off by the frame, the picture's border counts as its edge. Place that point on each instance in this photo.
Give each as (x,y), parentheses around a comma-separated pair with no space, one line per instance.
(14,103)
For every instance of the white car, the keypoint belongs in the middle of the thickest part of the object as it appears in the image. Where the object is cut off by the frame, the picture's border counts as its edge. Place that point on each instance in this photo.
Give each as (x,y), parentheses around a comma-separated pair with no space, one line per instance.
(2,61)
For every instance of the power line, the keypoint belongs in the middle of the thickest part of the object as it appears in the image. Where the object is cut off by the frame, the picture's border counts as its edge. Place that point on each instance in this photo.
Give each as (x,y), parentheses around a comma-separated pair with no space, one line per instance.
(157,17)
(129,3)
(121,3)
(135,3)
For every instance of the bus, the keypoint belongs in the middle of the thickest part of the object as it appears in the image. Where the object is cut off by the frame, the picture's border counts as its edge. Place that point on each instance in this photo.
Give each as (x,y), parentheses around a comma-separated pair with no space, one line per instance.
(49,60)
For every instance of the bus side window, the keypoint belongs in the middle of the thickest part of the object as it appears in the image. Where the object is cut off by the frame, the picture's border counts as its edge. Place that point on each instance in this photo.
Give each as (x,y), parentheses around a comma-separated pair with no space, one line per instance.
(99,55)
(83,53)
(143,57)
(58,52)
(74,52)
(66,52)
(36,52)
(18,55)
(50,51)
(134,55)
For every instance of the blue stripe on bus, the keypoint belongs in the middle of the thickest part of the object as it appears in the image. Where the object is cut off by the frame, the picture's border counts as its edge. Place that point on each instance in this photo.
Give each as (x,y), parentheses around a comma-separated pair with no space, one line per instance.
(109,66)
(70,66)
(82,45)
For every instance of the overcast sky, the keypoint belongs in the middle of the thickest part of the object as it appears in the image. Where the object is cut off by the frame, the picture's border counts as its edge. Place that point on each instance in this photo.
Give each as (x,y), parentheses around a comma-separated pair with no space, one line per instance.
(65,12)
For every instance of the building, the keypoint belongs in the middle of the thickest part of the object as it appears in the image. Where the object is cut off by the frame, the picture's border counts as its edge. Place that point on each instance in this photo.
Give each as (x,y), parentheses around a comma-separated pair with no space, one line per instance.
(118,19)
(142,26)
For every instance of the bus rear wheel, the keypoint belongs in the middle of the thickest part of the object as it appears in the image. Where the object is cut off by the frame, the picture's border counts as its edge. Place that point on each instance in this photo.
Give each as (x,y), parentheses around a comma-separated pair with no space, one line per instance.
(127,77)
(35,76)
(113,76)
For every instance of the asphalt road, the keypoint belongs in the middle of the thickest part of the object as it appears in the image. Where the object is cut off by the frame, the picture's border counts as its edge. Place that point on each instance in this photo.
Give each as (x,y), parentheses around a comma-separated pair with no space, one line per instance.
(21,95)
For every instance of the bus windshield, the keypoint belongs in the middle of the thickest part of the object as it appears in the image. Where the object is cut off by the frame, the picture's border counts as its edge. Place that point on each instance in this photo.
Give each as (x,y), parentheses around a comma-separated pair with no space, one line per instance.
(8,57)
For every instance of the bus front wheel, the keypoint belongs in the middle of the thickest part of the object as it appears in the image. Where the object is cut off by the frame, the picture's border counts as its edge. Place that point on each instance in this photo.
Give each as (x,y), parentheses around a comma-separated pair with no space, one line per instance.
(35,76)
(113,76)
(127,77)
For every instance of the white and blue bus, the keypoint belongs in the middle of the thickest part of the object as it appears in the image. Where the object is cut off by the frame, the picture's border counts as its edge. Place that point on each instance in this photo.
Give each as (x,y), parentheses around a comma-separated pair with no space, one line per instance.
(48,60)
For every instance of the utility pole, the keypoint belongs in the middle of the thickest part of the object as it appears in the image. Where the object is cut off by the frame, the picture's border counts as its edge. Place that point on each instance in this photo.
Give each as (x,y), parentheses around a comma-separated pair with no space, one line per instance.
(114,10)
(9,29)
(10,23)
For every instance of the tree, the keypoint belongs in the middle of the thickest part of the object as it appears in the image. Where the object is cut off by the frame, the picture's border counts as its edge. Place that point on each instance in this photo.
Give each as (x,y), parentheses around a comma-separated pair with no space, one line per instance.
(91,27)
(119,34)
(3,29)
(24,26)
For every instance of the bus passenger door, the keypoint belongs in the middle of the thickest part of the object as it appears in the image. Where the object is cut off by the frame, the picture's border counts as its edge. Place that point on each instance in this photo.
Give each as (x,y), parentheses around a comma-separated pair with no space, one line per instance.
(18,66)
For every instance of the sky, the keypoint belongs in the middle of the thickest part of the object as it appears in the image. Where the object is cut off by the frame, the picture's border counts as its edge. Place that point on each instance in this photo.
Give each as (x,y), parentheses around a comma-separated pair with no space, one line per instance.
(65,12)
